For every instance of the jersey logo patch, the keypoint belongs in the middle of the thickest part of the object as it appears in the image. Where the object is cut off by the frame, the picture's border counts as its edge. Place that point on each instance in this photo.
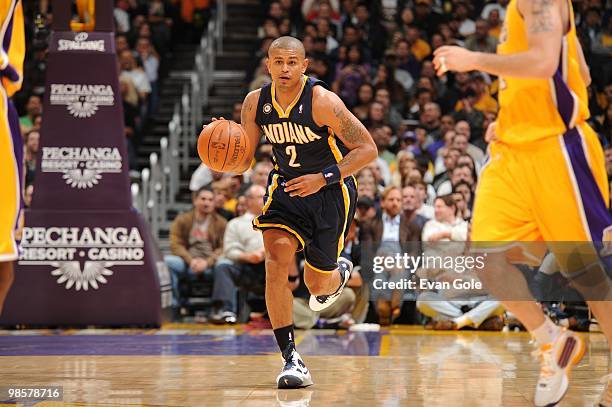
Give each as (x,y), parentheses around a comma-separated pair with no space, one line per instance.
(300,109)
(267,108)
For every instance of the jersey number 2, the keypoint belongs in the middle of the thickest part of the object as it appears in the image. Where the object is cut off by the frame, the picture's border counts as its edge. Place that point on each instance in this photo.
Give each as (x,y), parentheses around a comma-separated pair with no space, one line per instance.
(290,150)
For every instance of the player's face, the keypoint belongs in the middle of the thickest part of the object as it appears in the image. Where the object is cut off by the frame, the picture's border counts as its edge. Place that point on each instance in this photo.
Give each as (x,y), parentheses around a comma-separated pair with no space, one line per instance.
(286,66)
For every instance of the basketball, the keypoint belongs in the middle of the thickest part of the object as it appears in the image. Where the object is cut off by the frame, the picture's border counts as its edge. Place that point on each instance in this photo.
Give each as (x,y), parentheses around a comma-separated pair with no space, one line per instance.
(223,145)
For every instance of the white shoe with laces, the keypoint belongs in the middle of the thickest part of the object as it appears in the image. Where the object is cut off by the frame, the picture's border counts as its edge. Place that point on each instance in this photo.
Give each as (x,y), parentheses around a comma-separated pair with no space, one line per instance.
(320,302)
(295,374)
(605,400)
(557,359)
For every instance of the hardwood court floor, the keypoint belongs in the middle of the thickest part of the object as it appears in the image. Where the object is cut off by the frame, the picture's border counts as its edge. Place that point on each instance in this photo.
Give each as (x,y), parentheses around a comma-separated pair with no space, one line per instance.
(183,365)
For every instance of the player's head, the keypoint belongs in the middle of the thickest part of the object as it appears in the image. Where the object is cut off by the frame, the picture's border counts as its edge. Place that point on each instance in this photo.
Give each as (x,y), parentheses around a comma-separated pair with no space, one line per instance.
(287,61)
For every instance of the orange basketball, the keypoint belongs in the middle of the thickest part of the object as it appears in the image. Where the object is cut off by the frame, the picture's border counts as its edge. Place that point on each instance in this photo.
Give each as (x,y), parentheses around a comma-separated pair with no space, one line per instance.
(223,145)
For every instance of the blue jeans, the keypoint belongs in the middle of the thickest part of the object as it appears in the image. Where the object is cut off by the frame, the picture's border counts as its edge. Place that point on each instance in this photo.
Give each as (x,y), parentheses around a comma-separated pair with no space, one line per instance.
(181,270)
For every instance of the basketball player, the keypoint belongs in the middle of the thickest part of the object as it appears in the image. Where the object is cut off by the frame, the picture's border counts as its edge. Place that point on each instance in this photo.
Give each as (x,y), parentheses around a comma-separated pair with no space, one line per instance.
(12,52)
(545,179)
(311,196)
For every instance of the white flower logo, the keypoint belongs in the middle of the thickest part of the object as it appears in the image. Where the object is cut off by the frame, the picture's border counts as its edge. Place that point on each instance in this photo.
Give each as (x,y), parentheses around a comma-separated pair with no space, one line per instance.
(69,272)
(82,179)
(82,108)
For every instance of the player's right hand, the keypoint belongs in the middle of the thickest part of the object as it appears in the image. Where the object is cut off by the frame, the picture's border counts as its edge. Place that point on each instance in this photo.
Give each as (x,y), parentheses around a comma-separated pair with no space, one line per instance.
(214,119)
(491,135)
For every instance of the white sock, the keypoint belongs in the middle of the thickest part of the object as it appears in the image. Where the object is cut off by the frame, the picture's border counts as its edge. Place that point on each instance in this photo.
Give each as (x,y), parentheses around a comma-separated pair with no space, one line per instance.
(547,332)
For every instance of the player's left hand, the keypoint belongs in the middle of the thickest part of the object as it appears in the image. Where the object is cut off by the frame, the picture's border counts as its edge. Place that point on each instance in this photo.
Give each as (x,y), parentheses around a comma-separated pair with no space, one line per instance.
(452,58)
(305,185)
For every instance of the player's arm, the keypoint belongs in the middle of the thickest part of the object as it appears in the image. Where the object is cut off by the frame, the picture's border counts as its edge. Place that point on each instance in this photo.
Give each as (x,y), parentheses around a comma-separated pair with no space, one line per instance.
(329,110)
(544,34)
(247,121)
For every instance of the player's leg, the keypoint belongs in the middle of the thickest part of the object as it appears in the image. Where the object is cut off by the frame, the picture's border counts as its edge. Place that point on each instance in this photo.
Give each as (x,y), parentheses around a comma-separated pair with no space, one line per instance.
(280,247)
(325,272)
(11,167)
(6,280)
(504,226)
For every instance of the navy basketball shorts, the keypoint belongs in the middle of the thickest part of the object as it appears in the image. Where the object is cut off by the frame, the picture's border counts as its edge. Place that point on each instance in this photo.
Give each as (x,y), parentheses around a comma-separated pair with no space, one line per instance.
(319,221)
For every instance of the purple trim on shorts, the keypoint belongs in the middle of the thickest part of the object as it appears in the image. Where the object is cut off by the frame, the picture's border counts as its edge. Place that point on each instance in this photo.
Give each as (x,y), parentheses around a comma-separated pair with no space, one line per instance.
(597,214)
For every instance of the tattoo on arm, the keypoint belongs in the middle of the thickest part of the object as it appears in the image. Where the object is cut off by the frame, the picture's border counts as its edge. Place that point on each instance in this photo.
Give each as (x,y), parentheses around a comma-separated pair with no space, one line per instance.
(349,130)
(246,108)
(542,18)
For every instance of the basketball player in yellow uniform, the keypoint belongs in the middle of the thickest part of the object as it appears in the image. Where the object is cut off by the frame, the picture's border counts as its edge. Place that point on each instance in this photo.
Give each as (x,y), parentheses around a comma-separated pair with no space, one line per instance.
(12,52)
(545,180)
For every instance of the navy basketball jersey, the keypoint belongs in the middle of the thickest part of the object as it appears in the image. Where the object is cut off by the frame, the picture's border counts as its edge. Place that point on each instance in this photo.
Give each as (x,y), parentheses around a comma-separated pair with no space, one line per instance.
(300,146)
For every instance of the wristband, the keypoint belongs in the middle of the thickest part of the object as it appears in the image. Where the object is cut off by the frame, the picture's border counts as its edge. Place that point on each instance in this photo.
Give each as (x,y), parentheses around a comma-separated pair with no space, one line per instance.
(332,175)
(293,278)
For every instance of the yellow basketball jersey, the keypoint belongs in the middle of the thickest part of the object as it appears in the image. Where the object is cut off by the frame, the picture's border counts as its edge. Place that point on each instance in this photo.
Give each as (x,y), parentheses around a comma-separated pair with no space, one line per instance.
(532,109)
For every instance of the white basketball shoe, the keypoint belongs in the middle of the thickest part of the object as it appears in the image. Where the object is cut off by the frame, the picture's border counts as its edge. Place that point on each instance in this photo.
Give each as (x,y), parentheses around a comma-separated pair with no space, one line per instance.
(295,374)
(557,359)
(320,302)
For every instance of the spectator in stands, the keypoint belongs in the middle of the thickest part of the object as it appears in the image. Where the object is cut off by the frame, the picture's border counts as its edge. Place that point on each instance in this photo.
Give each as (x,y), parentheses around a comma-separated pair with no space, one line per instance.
(136,74)
(390,232)
(385,79)
(150,61)
(461,142)
(121,44)
(225,202)
(419,47)
(259,176)
(499,6)
(410,204)
(462,172)
(449,313)
(33,108)
(392,117)
(131,119)
(453,309)
(425,18)
(376,115)
(406,61)
(196,241)
(481,40)
(32,139)
(365,97)
(242,264)
(374,33)
(495,24)
(423,208)
(464,208)
(350,76)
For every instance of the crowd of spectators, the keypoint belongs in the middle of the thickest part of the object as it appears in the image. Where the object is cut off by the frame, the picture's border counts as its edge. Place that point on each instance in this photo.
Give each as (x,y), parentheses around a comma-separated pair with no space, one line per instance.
(429,130)
(145,33)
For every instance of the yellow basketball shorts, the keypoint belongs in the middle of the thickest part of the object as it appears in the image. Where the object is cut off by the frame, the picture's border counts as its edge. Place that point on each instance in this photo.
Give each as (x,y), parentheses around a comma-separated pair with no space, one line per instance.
(551,190)
(11,176)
